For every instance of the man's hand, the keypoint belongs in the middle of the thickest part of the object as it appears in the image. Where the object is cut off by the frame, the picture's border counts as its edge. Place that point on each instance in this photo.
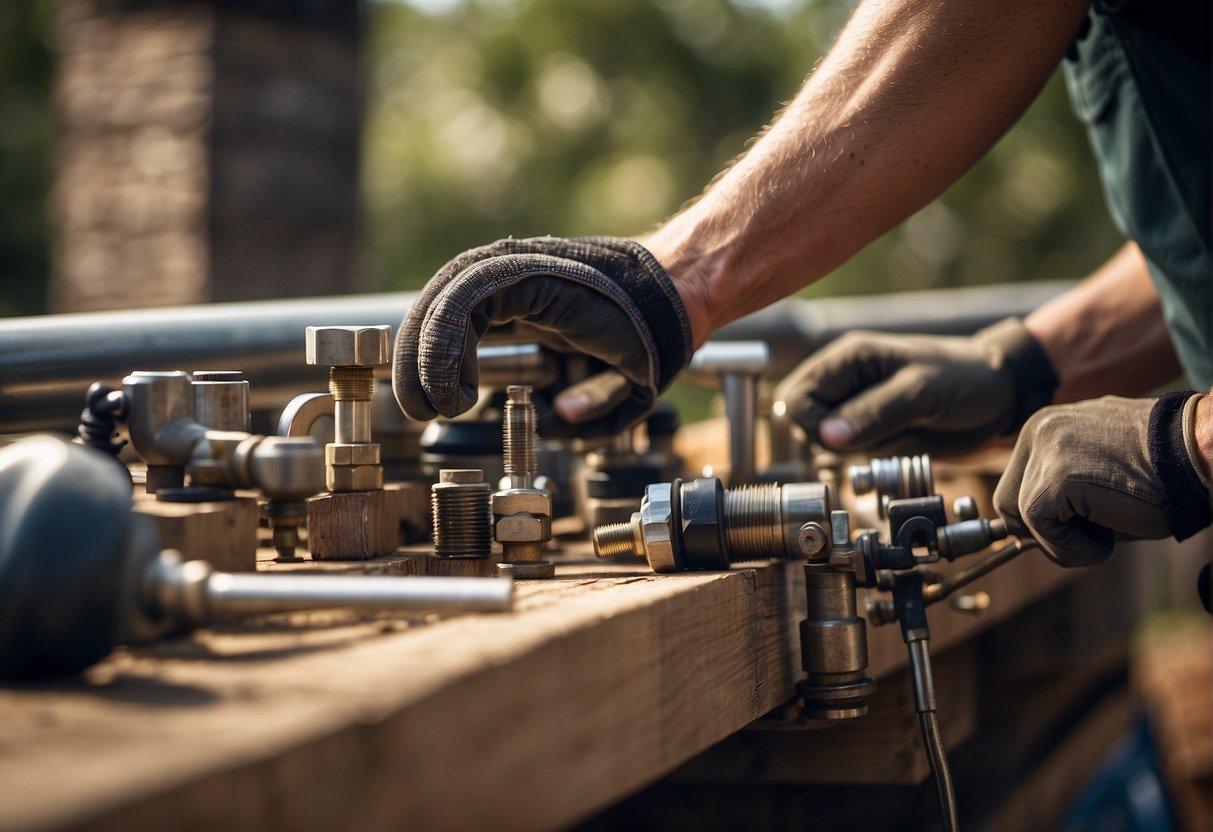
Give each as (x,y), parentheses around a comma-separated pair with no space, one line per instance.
(1084,474)
(604,297)
(900,393)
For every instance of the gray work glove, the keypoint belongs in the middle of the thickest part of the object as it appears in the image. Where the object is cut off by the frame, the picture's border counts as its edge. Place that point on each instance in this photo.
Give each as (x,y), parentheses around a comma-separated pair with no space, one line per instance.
(1082,475)
(942,395)
(604,297)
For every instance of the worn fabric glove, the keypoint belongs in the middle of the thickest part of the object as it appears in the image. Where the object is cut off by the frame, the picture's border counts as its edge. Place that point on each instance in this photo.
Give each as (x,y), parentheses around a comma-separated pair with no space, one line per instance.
(1083,474)
(915,393)
(605,297)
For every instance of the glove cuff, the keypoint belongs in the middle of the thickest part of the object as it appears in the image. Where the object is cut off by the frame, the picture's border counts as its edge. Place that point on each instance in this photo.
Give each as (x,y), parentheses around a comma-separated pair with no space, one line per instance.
(1184,488)
(1021,354)
(658,300)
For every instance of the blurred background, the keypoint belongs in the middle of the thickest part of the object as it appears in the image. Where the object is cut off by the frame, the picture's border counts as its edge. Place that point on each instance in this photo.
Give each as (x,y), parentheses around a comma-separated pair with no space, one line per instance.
(164,151)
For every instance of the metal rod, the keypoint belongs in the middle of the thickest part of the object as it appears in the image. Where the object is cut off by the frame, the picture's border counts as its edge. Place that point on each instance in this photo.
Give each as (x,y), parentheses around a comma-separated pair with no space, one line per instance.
(937,592)
(741,408)
(235,595)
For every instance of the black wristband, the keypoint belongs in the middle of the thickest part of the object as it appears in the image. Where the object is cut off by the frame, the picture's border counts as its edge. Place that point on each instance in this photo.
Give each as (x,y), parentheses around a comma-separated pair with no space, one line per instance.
(1022,355)
(1185,498)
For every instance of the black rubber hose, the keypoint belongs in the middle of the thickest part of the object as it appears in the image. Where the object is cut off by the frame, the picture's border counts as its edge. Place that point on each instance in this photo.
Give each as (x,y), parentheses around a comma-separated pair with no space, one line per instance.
(929,722)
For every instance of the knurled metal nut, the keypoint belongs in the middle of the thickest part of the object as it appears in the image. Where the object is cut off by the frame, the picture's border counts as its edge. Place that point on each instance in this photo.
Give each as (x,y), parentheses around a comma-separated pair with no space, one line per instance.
(522,527)
(522,500)
(348,346)
(354,477)
(337,453)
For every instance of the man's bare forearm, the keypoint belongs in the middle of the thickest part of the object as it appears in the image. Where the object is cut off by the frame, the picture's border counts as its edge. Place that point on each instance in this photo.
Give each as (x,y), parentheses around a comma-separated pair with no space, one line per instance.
(1107,335)
(912,94)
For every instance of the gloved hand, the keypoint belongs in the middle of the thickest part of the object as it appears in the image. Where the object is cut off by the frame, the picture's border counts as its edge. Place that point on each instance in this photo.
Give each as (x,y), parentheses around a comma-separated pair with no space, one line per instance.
(605,297)
(880,393)
(1083,474)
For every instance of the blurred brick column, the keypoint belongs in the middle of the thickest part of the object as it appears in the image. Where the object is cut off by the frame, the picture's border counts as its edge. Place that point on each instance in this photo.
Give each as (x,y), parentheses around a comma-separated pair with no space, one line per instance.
(205,151)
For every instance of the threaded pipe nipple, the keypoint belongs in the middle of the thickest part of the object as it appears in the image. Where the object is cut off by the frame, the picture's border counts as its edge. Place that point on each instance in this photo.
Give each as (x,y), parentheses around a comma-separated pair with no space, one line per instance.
(615,539)
(351,384)
(753,522)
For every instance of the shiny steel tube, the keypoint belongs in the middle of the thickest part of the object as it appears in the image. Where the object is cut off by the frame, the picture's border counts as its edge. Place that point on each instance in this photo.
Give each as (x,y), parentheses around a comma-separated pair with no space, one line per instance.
(796,328)
(741,410)
(48,361)
(232,596)
(352,422)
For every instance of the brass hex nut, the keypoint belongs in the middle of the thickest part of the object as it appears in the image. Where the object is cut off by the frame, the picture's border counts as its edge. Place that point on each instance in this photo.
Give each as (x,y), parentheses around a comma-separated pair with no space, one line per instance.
(354,477)
(522,515)
(515,500)
(522,528)
(337,453)
(348,346)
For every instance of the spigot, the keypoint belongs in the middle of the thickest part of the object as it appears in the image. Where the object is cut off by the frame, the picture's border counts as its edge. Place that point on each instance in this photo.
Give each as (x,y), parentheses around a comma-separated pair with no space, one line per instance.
(352,460)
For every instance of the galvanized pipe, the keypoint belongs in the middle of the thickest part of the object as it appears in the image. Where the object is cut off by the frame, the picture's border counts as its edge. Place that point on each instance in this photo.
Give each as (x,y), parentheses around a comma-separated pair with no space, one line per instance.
(47,362)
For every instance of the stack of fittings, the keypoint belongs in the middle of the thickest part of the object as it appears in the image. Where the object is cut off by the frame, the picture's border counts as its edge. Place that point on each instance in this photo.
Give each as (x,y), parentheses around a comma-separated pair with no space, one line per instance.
(522,514)
(462,514)
(352,461)
(161,411)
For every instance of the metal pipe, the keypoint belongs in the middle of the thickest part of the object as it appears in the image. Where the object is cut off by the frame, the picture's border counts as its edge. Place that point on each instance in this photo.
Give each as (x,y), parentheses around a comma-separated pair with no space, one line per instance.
(232,595)
(47,362)
(741,412)
(796,328)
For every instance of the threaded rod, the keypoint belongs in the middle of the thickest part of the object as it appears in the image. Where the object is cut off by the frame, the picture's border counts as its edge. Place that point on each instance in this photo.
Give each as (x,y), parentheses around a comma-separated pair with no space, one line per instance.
(520,454)
(351,384)
(615,539)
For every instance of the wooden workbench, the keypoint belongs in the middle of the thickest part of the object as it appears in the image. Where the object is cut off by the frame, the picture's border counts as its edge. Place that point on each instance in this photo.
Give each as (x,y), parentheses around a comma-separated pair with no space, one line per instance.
(599,682)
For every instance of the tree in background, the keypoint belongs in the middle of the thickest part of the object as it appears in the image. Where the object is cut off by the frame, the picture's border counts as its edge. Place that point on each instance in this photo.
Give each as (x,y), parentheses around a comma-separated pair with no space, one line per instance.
(488,118)
(25,155)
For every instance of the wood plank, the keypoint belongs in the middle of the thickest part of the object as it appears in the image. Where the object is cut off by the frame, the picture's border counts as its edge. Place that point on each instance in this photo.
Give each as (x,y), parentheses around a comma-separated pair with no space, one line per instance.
(528,720)
(223,532)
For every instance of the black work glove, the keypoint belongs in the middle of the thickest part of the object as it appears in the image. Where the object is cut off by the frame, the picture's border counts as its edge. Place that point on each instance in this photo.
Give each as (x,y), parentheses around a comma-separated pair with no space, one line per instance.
(1083,474)
(605,297)
(942,395)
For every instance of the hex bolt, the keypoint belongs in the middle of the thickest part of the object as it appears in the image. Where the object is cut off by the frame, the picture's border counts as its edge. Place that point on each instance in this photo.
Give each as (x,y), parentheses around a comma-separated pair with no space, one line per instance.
(684,526)
(351,353)
(462,512)
(522,514)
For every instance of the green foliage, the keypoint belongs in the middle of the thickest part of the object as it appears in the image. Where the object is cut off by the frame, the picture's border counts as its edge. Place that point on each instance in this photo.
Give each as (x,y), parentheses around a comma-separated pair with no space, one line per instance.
(496,117)
(25,155)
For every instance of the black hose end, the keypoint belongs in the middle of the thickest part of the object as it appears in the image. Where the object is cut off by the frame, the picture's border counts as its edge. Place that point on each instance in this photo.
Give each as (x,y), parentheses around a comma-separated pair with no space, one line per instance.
(64,524)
